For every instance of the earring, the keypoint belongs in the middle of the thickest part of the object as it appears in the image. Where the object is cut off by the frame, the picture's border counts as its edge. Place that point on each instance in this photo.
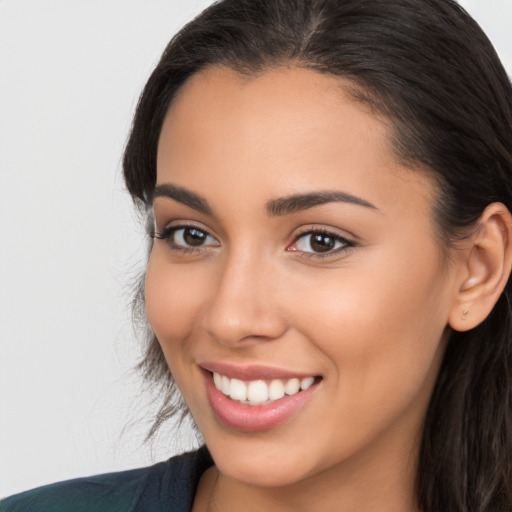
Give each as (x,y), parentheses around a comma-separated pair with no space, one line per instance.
(465,314)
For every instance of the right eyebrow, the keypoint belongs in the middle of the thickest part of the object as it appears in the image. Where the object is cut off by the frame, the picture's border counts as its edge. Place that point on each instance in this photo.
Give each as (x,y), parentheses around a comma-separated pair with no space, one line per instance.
(183,196)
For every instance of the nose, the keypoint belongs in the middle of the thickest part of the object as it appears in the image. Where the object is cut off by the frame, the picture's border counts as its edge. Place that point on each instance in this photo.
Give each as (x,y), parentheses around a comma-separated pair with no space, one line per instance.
(244,306)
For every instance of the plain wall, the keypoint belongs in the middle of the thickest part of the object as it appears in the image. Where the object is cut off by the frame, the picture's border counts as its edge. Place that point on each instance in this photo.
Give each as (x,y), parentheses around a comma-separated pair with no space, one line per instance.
(70,244)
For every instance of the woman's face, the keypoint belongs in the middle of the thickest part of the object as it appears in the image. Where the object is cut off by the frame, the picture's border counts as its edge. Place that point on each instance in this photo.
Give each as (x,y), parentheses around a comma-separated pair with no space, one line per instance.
(294,254)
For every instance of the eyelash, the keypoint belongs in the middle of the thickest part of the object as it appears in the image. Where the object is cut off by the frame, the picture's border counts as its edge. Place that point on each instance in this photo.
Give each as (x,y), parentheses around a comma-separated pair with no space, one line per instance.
(346,243)
(168,232)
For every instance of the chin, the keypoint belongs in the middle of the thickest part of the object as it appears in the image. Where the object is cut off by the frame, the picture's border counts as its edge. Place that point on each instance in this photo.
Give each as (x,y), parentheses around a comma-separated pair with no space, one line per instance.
(273,474)
(265,459)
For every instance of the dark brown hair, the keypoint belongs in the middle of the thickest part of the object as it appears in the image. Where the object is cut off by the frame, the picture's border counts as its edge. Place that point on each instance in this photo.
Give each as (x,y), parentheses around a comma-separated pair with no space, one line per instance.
(430,70)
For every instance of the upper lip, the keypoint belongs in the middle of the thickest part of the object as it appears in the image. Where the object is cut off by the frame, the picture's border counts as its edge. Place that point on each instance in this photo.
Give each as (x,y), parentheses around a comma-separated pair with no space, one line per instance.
(253,372)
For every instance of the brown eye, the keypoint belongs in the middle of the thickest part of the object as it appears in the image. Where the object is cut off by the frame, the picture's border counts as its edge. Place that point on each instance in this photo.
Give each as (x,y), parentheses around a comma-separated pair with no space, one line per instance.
(186,237)
(193,237)
(321,243)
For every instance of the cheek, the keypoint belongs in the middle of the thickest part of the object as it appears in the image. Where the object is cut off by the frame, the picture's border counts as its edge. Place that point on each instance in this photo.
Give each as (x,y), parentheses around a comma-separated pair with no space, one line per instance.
(172,300)
(380,326)
(382,347)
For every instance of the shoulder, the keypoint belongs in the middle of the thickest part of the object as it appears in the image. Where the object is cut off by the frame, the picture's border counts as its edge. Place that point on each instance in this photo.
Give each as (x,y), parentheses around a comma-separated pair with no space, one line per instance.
(162,487)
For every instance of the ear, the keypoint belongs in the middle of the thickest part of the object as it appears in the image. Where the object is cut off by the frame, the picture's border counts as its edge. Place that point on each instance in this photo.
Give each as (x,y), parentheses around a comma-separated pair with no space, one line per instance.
(486,265)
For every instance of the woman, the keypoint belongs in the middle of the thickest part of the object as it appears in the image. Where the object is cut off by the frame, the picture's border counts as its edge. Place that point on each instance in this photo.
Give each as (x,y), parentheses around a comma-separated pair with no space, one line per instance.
(327,186)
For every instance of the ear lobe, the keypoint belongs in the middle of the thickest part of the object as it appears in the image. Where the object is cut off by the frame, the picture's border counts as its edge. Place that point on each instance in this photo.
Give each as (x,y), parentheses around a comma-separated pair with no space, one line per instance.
(487,264)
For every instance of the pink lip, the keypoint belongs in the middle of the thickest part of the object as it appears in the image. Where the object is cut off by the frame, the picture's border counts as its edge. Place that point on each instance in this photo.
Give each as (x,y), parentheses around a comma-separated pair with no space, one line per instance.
(248,373)
(253,418)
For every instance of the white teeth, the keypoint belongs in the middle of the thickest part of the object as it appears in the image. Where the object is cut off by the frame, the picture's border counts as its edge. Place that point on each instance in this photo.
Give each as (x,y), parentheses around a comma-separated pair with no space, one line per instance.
(238,390)
(217,379)
(276,390)
(292,386)
(306,383)
(257,392)
(225,385)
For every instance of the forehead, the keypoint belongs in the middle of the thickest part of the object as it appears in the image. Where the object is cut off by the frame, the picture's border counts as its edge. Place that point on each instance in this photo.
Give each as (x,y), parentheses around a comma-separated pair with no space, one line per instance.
(283,131)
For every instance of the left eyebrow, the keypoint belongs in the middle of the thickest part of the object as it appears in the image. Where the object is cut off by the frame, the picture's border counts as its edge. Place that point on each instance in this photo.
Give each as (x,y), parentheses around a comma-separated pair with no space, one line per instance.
(183,196)
(300,202)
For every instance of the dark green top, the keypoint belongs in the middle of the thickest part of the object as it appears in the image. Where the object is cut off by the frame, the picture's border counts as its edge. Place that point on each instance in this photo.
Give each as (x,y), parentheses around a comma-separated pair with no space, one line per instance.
(165,487)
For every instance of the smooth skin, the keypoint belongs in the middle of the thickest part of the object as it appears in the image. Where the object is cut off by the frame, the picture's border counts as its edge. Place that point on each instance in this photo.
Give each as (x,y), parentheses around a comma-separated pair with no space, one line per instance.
(368,308)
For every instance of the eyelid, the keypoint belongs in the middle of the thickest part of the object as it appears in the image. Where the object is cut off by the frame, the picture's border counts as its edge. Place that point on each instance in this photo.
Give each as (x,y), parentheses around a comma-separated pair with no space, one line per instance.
(168,222)
(169,230)
(323,229)
(347,241)
(173,225)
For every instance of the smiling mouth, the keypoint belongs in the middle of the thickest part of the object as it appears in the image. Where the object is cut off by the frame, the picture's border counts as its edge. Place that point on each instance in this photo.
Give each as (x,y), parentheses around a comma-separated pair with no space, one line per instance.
(260,392)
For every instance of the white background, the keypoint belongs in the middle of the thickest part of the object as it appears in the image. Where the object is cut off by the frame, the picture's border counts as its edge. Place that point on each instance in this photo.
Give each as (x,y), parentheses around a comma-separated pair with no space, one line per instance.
(70,74)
